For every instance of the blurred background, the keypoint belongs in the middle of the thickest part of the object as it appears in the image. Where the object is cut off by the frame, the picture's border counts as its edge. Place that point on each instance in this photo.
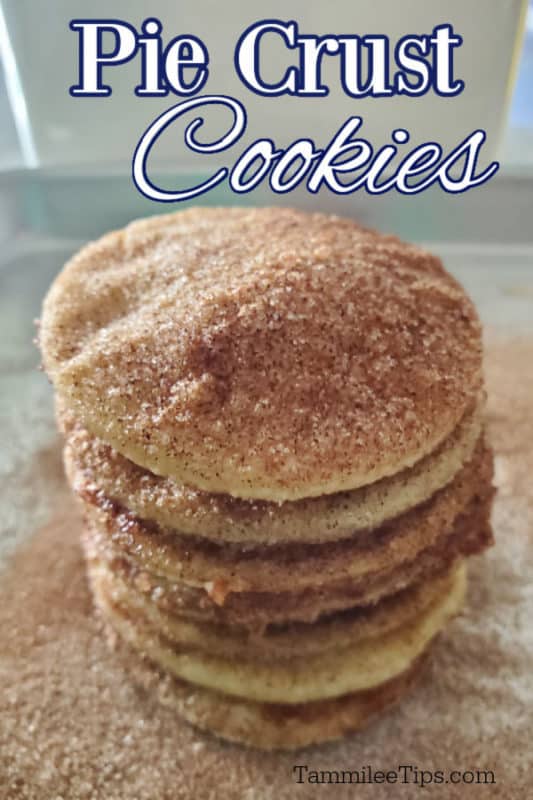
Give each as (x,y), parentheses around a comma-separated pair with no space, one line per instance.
(517,146)
(65,163)
(41,125)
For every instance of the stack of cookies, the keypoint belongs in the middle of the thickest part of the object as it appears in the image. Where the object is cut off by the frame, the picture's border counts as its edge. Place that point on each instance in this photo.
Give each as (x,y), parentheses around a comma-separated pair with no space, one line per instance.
(274,422)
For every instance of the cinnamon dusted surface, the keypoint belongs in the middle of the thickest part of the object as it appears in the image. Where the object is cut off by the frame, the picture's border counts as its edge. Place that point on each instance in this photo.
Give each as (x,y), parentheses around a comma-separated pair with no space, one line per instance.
(265,353)
(293,567)
(73,726)
(302,678)
(257,611)
(96,471)
(274,643)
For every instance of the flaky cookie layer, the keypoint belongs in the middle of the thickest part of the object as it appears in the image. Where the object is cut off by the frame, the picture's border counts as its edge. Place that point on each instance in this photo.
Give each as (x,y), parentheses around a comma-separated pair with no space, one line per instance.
(277,643)
(292,567)
(357,667)
(95,469)
(256,611)
(266,726)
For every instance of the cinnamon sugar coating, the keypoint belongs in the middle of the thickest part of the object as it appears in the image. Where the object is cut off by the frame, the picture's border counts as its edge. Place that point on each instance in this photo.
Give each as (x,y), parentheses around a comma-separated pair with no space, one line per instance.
(263,353)
(73,726)
(278,643)
(257,612)
(96,471)
(267,726)
(331,673)
(274,424)
(294,567)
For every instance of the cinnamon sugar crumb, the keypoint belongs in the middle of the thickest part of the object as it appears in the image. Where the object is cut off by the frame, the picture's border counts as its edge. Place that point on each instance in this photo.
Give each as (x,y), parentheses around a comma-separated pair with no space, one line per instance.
(217,590)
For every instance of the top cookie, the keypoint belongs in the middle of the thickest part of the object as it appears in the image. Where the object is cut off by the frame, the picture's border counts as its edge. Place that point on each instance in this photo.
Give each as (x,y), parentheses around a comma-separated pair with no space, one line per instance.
(264,353)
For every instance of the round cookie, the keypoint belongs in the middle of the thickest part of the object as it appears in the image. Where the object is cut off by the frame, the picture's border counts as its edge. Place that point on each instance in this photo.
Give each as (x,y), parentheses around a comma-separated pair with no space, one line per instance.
(295,567)
(359,666)
(266,726)
(96,471)
(280,642)
(259,612)
(263,353)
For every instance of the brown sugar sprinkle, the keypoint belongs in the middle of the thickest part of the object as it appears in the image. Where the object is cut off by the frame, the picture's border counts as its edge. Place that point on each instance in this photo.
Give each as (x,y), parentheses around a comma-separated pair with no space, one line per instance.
(72,726)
